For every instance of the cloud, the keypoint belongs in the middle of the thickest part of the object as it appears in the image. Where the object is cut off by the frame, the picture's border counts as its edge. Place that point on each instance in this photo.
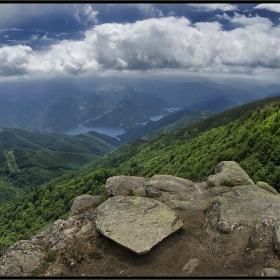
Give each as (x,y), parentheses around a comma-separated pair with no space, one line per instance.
(269,6)
(150,10)
(214,7)
(154,44)
(85,14)
(14,60)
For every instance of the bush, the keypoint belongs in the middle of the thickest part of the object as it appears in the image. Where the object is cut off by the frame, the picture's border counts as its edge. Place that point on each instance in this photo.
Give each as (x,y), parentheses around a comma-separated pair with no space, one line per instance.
(227,183)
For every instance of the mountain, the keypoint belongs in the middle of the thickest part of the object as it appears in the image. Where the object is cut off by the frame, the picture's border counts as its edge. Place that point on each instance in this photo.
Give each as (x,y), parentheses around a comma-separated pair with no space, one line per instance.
(165,124)
(248,134)
(186,120)
(134,108)
(30,159)
(217,105)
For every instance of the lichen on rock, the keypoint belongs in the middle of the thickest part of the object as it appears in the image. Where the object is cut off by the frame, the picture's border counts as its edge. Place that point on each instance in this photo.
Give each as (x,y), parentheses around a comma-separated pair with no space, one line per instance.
(136,223)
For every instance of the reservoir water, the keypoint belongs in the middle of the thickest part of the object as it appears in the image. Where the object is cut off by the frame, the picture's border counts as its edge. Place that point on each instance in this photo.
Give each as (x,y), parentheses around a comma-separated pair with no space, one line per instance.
(114,131)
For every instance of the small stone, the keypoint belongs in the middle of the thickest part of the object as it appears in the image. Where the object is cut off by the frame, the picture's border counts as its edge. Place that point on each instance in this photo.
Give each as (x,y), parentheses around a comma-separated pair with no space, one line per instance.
(270,272)
(191,265)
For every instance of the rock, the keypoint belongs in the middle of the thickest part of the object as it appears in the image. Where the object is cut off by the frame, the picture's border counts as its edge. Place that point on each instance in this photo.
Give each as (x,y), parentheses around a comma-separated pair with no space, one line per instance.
(136,223)
(270,272)
(21,258)
(229,172)
(167,187)
(83,202)
(267,187)
(276,235)
(125,185)
(191,265)
(60,232)
(246,205)
(199,200)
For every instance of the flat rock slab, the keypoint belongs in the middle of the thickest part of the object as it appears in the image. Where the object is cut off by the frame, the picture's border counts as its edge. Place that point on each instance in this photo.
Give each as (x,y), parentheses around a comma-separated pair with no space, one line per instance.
(244,205)
(136,223)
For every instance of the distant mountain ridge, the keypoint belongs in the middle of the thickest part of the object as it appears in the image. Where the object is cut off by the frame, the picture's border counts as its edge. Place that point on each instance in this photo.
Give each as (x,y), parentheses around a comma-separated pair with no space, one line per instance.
(52,105)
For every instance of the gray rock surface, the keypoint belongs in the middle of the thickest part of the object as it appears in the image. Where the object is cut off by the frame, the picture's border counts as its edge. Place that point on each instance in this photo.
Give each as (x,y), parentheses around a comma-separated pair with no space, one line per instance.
(83,202)
(136,223)
(243,205)
(123,185)
(276,235)
(232,172)
(167,187)
(21,258)
(267,187)
(60,232)
(270,272)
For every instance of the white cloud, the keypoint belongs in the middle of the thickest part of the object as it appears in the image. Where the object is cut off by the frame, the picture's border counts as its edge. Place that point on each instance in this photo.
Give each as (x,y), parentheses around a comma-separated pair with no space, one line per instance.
(213,7)
(85,14)
(155,44)
(269,6)
(150,10)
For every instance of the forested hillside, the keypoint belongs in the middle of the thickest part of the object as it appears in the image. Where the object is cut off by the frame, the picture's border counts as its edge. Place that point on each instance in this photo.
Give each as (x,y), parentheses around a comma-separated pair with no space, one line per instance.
(30,159)
(248,134)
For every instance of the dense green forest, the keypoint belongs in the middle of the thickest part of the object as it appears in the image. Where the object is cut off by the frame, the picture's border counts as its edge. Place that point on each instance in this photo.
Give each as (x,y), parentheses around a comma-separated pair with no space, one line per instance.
(30,159)
(248,134)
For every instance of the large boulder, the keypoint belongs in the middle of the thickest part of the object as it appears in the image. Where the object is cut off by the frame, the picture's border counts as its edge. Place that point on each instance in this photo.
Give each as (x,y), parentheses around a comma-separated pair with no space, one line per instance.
(21,258)
(60,232)
(82,203)
(136,223)
(167,187)
(230,173)
(243,205)
(125,185)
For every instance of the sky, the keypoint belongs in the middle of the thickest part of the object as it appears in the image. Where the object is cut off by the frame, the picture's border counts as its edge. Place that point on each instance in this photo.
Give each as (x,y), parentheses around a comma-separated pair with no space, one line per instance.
(128,40)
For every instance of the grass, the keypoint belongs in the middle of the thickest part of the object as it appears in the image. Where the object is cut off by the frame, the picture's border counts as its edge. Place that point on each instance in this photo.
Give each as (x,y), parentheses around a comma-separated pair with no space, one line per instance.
(50,256)
(251,245)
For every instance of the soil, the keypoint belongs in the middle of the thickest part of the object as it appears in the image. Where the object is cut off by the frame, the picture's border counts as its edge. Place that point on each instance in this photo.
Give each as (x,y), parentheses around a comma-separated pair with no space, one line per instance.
(219,255)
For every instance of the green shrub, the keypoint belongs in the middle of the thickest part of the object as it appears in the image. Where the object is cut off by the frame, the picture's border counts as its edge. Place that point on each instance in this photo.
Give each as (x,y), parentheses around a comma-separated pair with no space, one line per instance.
(210,184)
(227,183)
(50,256)
(130,192)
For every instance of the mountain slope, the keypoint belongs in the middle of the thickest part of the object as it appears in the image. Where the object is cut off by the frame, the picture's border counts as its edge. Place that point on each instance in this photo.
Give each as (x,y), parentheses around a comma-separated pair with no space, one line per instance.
(134,108)
(248,134)
(29,159)
(165,124)
(217,105)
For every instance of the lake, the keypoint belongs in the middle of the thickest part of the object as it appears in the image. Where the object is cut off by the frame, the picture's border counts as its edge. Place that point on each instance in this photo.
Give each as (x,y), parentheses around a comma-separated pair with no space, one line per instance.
(112,131)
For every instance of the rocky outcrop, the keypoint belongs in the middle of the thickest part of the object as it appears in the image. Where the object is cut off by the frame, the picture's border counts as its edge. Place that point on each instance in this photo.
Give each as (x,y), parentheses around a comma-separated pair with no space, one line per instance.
(125,185)
(230,173)
(60,232)
(82,203)
(136,223)
(21,258)
(143,212)
(167,187)
(24,256)
(242,205)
